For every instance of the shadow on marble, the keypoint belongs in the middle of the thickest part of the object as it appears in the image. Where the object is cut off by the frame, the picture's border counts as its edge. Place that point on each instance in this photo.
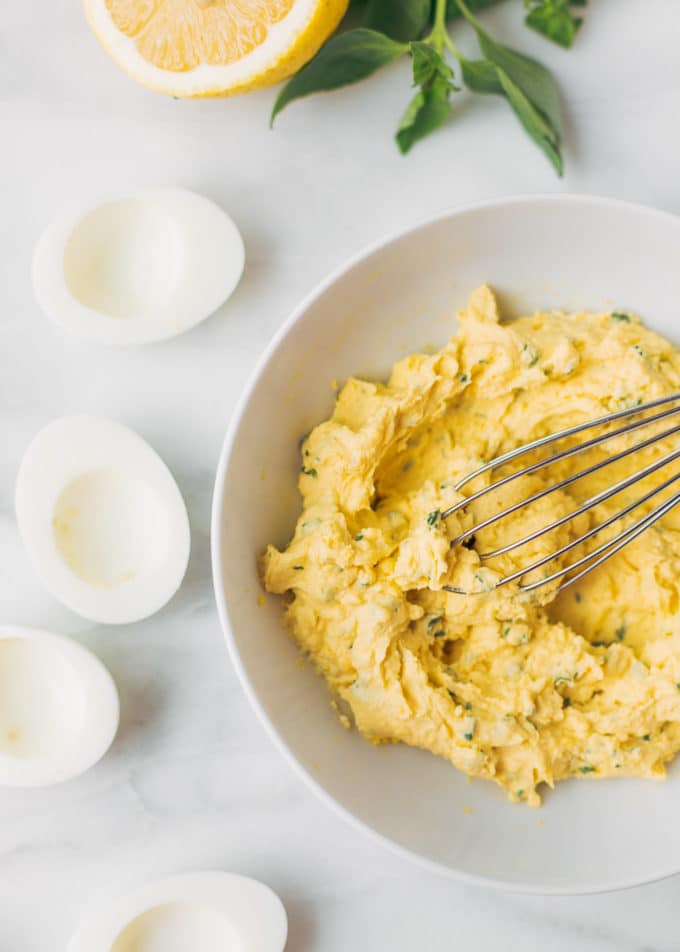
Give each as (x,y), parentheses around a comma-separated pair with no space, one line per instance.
(301,927)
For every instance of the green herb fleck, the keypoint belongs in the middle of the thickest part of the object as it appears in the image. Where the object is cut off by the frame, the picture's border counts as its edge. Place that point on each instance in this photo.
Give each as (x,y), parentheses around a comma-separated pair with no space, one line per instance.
(627,402)
(638,350)
(519,794)
(620,316)
(577,596)
(467,706)
(469,725)
(309,472)
(433,517)
(486,587)
(434,621)
(586,769)
(646,737)
(505,632)
(600,644)
(621,632)
(358,537)
(463,378)
(562,679)
(298,568)
(566,702)
(531,354)
(439,634)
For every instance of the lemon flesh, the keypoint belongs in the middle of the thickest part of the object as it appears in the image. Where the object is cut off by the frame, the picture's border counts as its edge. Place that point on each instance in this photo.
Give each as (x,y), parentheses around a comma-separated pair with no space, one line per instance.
(212,47)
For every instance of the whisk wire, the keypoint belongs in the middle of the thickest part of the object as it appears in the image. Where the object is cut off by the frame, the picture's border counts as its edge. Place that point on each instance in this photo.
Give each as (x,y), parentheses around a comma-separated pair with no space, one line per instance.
(625,537)
(567,481)
(562,434)
(603,496)
(587,535)
(605,550)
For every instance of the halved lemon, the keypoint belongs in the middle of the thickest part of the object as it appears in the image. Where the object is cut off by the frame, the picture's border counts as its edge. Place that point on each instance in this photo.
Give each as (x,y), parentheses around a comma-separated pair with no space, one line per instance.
(212,47)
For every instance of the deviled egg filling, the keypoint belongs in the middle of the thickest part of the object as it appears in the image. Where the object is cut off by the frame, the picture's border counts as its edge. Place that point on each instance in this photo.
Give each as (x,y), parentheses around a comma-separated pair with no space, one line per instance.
(522,688)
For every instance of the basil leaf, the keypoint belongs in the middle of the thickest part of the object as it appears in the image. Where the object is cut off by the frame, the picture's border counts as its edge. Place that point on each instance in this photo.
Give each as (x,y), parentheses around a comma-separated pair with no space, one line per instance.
(428,110)
(554,19)
(532,78)
(430,107)
(533,121)
(404,20)
(481,76)
(346,58)
(527,85)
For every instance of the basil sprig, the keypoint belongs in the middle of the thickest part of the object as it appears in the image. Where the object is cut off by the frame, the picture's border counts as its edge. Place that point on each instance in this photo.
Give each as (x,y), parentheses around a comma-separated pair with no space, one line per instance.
(417,28)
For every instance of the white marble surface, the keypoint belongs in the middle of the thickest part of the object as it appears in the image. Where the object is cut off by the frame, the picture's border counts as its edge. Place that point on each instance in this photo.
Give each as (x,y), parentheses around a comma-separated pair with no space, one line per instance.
(192,781)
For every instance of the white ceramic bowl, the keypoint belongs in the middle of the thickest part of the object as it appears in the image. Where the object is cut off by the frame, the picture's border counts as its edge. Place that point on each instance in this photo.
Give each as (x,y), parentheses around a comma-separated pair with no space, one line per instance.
(557,251)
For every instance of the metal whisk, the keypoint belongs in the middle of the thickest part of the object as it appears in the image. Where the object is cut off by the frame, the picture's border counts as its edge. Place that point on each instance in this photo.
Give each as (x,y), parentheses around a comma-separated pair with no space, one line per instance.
(586,563)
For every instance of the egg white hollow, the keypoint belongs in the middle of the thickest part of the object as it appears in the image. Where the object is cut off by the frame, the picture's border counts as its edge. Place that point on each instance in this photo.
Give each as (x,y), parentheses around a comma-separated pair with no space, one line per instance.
(59,708)
(176,927)
(212,911)
(102,519)
(139,268)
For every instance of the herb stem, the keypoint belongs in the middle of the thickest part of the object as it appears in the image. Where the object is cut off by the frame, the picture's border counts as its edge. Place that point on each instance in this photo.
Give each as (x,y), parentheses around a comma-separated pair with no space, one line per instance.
(451,46)
(466,13)
(440,16)
(439,35)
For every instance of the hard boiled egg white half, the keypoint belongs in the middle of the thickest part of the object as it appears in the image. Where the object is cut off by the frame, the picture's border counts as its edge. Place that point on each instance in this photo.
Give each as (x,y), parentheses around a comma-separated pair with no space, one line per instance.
(59,708)
(201,912)
(138,269)
(102,519)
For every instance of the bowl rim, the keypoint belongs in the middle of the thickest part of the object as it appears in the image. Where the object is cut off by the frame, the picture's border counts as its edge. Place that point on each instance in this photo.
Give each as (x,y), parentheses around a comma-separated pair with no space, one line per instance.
(579,888)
